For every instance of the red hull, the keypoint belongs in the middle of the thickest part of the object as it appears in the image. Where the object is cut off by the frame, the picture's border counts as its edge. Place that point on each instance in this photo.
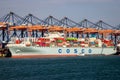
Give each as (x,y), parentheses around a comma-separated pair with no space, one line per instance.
(41,56)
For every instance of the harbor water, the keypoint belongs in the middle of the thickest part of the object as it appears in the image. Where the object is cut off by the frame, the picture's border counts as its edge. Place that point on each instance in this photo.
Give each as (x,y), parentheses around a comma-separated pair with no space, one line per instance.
(65,68)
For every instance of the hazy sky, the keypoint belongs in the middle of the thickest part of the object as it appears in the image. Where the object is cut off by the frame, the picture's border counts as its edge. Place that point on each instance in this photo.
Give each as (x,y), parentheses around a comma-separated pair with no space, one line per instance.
(77,10)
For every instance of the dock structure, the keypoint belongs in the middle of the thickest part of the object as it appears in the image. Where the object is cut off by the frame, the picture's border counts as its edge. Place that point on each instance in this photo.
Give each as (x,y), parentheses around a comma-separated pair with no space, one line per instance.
(13,25)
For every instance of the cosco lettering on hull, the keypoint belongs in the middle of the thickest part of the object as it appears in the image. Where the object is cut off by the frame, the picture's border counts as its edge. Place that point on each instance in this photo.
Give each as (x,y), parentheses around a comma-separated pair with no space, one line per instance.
(75,51)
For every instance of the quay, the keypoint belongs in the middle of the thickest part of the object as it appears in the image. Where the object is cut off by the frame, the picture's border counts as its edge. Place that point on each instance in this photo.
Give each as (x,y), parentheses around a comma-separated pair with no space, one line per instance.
(4,52)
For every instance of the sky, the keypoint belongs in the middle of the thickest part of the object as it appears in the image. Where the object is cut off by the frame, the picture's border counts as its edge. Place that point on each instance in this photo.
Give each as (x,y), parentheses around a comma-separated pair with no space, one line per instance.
(77,10)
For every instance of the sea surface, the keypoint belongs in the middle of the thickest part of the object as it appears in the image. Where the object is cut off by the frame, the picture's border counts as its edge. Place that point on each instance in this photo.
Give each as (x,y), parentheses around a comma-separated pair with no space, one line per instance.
(65,68)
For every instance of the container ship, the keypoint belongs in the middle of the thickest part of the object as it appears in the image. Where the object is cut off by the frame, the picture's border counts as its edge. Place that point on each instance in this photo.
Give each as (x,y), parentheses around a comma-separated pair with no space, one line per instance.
(31,36)
(56,43)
